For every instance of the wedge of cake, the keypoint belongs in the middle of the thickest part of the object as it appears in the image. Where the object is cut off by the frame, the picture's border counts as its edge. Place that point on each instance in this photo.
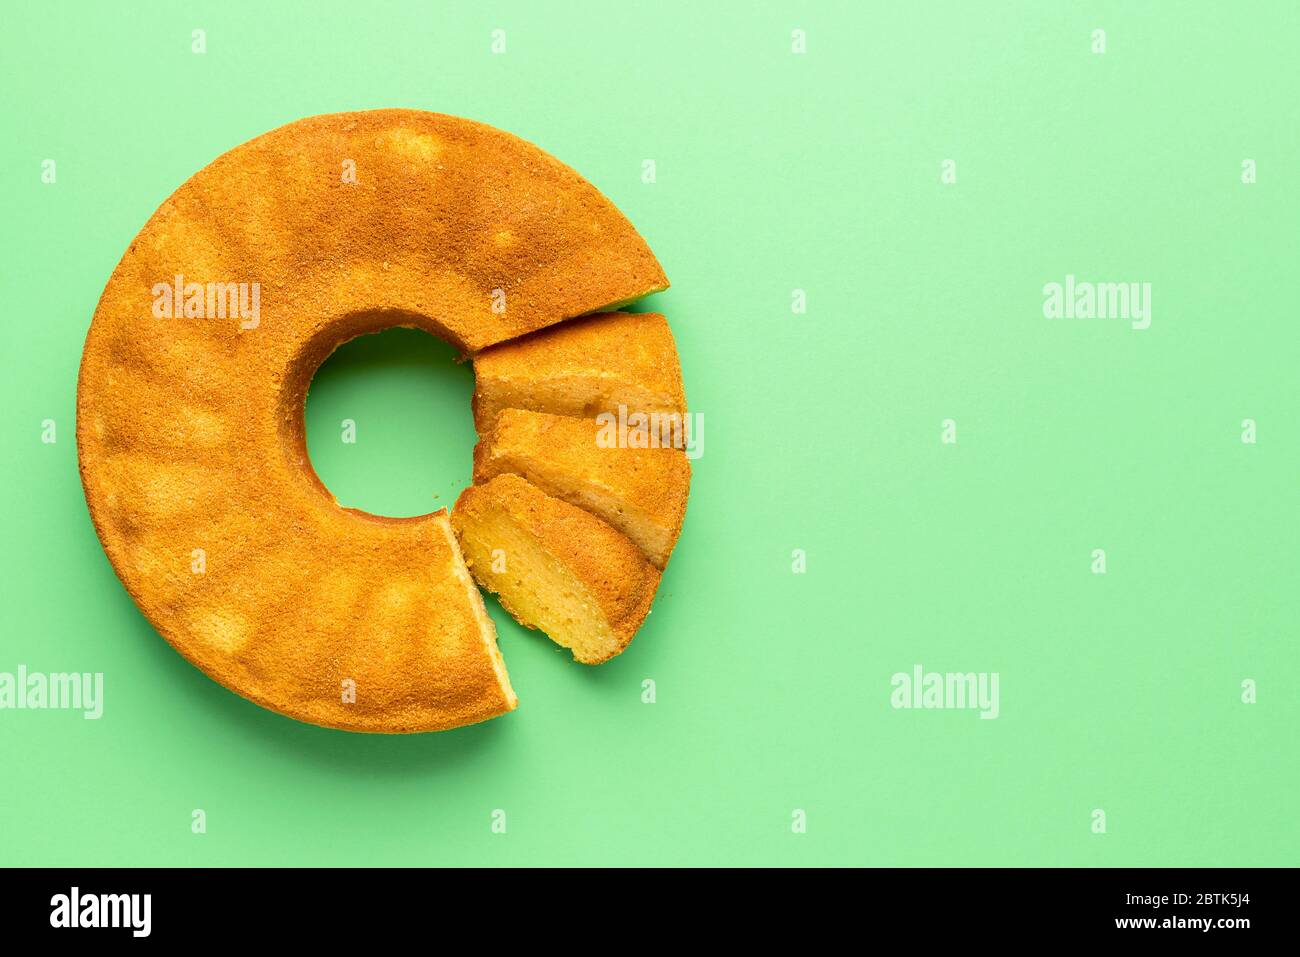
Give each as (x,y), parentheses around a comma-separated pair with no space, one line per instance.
(555,567)
(639,491)
(582,368)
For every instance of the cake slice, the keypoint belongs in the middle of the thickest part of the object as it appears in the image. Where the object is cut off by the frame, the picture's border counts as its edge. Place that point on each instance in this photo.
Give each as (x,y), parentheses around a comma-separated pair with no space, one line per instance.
(555,567)
(641,492)
(583,368)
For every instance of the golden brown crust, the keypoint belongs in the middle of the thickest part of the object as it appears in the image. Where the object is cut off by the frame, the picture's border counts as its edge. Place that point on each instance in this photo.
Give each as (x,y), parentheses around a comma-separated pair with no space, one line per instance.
(610,567)
(641,492)
(190,430)
(582,368)
(482,233)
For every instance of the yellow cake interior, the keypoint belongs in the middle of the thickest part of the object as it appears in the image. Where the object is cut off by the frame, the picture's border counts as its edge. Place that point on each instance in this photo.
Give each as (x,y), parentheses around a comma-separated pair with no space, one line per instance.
(536,586)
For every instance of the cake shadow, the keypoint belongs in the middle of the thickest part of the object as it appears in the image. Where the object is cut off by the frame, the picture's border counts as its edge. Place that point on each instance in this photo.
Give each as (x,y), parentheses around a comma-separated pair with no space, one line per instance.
(294,742)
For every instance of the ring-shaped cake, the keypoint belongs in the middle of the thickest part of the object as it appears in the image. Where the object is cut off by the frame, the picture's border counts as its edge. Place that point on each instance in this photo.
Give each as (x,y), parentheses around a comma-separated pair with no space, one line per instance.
(190,425)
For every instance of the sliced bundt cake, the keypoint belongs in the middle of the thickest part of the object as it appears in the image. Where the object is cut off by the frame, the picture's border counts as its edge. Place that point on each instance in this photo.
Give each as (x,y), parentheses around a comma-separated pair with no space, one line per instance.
(190,429)
(554,566)
(639,491)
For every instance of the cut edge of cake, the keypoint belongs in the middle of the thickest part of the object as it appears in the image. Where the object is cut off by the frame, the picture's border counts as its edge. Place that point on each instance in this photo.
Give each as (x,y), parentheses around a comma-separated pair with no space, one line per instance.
(487,627)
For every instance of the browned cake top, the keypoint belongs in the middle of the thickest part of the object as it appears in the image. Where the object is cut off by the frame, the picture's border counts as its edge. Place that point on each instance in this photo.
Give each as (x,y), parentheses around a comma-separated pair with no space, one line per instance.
(632,347)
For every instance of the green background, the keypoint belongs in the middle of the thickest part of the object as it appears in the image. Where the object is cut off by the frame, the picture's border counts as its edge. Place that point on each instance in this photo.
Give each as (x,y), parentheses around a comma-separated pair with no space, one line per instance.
(776,172)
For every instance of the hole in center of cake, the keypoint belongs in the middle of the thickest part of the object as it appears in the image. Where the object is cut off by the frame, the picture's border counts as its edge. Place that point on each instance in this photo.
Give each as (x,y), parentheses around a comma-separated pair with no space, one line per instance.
(389,427)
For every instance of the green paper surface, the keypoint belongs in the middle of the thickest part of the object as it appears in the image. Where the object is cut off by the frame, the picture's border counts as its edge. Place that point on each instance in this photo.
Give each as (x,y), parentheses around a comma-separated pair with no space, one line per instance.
(772,738)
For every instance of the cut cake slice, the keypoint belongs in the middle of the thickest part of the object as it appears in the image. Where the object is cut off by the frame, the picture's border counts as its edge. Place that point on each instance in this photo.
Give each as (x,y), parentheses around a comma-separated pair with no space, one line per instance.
(555,567)
(583,368)
(641,492)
